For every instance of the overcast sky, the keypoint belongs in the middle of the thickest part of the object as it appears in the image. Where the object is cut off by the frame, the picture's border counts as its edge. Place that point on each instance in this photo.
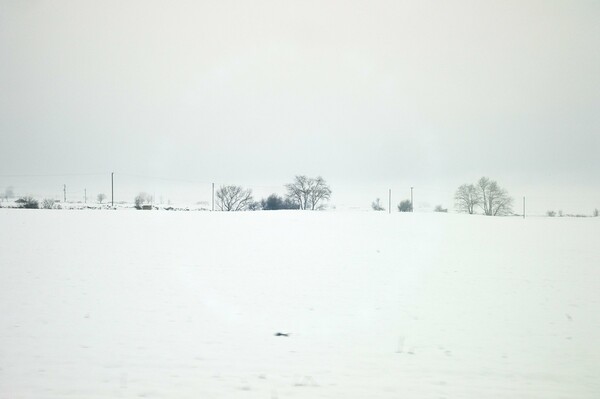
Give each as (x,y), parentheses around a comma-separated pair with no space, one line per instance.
(365,93)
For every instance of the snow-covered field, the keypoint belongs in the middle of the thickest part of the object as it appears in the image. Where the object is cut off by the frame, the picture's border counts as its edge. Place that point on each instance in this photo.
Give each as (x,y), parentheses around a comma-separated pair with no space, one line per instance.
(128,304)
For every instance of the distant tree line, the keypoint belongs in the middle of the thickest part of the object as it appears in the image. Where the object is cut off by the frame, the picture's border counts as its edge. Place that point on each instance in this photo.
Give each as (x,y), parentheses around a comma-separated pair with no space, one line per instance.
(307,193)
(552,213)
(403,206)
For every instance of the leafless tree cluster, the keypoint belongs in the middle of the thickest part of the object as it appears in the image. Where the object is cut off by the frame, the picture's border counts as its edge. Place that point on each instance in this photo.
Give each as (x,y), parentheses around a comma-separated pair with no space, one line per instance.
(485,194)
(308,192)
(233,198)
(495,199)
(142,199)
(466,198)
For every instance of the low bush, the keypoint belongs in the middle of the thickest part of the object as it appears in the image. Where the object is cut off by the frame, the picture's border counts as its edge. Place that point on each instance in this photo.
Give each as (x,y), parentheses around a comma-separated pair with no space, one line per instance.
(405,206)
(28,203)
(48,203)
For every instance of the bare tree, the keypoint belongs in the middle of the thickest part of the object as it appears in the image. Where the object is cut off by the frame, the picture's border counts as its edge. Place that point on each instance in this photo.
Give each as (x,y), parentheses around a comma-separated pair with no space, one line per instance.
(101,197)
(8,193)
(233,198)
(299,191)
(319,191)
(376,205)
(308,192)
(48,203)
(495,200)
(466,198)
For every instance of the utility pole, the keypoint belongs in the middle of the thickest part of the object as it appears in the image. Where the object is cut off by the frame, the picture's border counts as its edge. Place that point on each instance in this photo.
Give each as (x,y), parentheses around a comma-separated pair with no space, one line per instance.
(213,197)
(523,207)
(390,201)
(64,193)
(85,195)
(112,189)
(412,205)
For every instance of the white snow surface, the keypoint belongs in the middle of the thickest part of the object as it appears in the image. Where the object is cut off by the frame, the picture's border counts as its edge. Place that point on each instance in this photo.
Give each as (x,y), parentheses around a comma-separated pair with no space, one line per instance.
(108,304)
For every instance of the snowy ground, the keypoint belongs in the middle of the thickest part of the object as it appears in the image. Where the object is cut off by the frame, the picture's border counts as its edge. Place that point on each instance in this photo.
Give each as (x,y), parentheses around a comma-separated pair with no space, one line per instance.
(127,304)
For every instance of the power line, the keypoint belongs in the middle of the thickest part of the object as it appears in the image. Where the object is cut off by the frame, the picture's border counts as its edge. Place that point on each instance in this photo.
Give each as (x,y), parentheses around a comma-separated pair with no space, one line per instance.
(164,178)
(54,175)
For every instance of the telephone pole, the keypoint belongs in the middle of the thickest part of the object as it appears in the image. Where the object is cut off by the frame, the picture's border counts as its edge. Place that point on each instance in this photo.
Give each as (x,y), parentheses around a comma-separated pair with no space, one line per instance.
(64,193)
(412,205)
(390,201)
(213,197)
(523,207)
(112,189)
(85,195)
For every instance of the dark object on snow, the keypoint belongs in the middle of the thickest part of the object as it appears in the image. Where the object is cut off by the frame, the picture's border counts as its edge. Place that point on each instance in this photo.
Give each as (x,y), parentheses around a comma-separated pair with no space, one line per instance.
(28,203)
(280,334)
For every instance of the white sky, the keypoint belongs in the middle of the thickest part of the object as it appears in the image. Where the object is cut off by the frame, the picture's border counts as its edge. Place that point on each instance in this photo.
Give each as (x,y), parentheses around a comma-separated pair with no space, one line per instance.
(368,94)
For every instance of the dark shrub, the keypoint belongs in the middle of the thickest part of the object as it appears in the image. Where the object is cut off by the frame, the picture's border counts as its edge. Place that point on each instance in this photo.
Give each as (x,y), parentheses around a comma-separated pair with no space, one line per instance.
(405,206)
(275,202)
(28,203)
